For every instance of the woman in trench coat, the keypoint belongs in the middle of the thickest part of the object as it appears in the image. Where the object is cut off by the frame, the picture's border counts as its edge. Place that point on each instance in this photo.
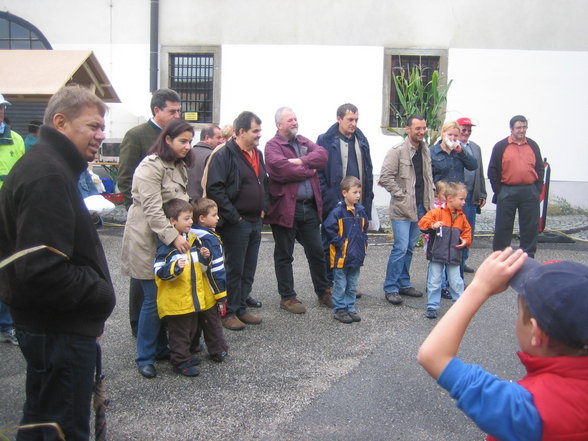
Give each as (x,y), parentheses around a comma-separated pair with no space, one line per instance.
(161,176)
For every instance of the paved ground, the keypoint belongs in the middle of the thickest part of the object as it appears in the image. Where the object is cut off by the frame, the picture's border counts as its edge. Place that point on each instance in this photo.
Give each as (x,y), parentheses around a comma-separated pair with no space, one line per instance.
(300,377)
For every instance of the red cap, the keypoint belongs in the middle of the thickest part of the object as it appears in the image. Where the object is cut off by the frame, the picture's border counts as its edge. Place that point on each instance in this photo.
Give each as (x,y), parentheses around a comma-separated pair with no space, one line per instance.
(464,122)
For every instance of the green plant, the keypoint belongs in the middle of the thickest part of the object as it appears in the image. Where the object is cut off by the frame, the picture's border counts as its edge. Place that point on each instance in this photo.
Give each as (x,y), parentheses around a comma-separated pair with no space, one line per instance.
(559,206)
(418,97)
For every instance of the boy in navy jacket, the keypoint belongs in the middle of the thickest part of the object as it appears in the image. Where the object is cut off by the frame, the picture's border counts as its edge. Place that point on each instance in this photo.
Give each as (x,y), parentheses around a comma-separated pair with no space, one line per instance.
(345,228)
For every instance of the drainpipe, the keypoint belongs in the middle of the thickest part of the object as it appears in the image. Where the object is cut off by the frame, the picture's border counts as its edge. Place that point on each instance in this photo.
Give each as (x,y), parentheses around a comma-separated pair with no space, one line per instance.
(154,47)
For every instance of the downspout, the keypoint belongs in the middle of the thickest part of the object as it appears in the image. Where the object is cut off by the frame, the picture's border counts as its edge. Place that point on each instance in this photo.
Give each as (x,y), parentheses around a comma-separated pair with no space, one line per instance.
(154,47)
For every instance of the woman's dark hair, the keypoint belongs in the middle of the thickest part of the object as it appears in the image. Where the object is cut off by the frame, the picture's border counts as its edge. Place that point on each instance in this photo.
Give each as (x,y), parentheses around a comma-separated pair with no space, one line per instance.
(173,129)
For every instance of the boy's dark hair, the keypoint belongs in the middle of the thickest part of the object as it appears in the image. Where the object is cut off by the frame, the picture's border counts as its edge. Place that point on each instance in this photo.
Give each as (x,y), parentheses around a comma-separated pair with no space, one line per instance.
(201,207)
(350,181)
(174,207)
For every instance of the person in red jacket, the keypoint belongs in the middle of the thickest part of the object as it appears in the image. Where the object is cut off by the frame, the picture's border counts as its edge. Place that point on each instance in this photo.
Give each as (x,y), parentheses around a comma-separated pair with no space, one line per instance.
(551,401)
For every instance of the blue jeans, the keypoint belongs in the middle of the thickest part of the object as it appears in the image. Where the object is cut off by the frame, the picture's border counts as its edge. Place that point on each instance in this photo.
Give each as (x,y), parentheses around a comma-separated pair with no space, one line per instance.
(60,376)
(5,318)
(241,242)
(344,288)
(406,234)
(435,278)
(151,337)
(470,210)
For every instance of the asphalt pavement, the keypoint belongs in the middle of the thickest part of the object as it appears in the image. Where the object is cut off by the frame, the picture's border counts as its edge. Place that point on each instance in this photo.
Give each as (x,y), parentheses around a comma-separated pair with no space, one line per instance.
(300,377)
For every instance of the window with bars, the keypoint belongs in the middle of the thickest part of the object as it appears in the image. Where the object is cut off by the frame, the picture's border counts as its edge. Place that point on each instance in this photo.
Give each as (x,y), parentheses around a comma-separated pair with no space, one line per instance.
(396,60)
(192,76)
(16,33)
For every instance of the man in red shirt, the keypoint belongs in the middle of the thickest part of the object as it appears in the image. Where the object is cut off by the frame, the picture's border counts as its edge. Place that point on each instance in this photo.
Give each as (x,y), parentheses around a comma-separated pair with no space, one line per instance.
(516,173)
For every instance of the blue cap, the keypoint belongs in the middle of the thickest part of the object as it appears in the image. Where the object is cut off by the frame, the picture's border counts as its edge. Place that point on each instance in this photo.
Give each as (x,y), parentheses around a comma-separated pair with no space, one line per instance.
(3,102)
(556,294)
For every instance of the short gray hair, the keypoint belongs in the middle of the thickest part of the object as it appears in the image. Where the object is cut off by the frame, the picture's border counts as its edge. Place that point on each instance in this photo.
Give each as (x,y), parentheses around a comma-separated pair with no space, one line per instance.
(279,112)
(70,101)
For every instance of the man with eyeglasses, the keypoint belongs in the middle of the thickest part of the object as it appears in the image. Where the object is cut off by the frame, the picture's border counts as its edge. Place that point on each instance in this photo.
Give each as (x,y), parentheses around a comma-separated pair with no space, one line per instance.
(474,181)
(407,175)
(165,106)
(516,173)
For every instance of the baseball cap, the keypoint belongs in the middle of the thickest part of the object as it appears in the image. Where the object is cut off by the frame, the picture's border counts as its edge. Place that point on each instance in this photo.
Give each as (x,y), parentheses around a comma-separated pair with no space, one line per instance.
(464,121)
(556,294)
(3,102)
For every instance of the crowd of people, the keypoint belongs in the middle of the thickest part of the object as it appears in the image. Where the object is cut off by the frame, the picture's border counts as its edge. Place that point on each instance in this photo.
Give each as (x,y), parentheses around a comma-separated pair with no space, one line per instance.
(193,233)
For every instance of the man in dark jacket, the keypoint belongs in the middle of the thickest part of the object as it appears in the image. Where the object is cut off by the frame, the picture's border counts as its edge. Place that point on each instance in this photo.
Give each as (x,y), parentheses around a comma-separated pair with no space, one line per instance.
(210,138)
(349,155)
(516,174)
(236,180)
(60,297)
(295,208)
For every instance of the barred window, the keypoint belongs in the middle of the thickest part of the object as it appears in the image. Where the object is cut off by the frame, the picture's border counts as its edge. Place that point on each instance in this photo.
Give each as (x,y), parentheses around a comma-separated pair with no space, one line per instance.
(192,76)
(16,33)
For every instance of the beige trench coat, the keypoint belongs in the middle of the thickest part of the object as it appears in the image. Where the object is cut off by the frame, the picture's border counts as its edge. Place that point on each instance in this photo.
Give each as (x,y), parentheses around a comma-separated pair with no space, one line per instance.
(399,179)
(154,183)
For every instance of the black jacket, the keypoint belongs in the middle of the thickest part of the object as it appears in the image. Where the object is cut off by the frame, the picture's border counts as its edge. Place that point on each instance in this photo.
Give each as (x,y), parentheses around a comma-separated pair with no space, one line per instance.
(233,185)
(40,205)
(495,166)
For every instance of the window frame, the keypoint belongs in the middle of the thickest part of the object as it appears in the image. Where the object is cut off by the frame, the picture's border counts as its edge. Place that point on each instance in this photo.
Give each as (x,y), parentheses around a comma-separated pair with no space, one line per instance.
(388,83)
(215,51)
(33,31)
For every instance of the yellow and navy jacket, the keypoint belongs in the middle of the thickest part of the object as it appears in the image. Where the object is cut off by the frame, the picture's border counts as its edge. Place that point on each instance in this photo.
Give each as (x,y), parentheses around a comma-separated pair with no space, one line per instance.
(347,235)
(181,291)
(217,276)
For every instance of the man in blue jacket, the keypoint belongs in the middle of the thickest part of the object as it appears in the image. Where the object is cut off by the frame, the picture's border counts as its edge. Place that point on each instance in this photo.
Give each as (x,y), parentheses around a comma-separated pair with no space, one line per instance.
(349,155)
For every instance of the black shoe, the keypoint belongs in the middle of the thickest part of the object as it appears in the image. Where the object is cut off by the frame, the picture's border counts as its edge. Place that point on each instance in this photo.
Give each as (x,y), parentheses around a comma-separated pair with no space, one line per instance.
(445,294)
(393,298)
(252,303)
(148,371)
(187,370)
(468,269)
(219,358)
(195,361)
(431,313)
(410,292)
(354,316)
(342,316)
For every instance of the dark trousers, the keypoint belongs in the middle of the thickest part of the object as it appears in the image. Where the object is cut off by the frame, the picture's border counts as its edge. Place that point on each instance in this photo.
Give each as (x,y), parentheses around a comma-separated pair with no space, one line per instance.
(525,199)
(470,210)
(181,330)
(306,230)
(135,303)
(60,376)
(210,323)
(241,242)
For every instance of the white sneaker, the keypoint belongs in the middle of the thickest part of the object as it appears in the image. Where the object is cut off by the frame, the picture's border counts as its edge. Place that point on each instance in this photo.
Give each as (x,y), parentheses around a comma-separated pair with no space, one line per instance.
(8,337)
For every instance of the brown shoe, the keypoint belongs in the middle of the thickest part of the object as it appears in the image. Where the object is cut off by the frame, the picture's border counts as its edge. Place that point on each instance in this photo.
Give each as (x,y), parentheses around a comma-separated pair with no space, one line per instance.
(293,305)
(232,323)
(326,299)
(250,319)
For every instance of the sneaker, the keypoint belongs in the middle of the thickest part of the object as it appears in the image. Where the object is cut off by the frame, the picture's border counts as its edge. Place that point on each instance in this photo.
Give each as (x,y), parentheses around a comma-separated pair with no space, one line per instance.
(293,305)
(219,358)
(249,319)
(468,269)
(253,303)
(410,292)
(8,337)
(187,369)
(431,313)
(326,299)
(354,316)
(232,323)
(393,297)
(195,361)
(445,294)
(342,316)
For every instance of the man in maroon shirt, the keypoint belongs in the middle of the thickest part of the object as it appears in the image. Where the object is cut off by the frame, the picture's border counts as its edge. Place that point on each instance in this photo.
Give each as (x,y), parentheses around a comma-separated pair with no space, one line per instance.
(516,173)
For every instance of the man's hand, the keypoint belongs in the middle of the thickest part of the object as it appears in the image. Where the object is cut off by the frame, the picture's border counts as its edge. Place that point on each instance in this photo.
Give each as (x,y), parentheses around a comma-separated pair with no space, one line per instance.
(296,161)
(482,203)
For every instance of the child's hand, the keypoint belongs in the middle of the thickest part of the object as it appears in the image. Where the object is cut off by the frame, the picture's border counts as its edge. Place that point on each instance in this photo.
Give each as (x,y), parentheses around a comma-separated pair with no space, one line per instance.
(495,272)
(181,263)
(437,225)
(205,252)
(462,243)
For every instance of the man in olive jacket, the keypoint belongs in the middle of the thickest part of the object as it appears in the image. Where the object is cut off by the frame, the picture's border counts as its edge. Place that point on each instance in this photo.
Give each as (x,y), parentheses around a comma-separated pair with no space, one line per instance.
(59,299)
(165,106)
